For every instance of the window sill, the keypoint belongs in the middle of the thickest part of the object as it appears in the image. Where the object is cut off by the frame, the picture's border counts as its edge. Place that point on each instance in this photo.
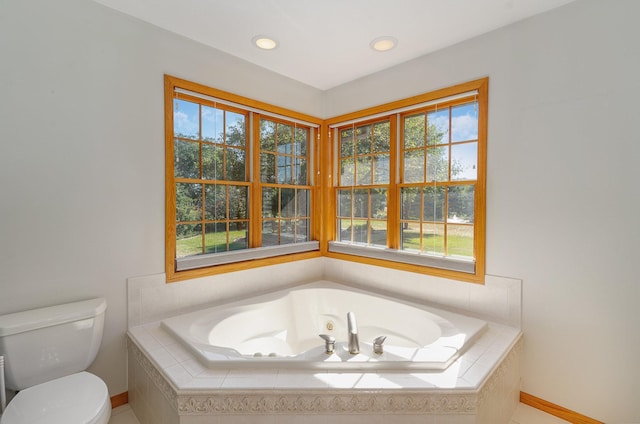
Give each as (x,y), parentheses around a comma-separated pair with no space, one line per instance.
(224,258)
(466,266)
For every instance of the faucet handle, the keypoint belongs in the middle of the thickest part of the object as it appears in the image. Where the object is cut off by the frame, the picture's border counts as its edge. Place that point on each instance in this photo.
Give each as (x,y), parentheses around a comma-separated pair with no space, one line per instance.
(329,343)
(377,344)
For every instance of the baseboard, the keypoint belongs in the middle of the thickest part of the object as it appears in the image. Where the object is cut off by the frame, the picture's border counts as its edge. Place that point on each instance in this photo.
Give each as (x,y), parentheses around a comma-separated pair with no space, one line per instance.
(555,410)
(119,400)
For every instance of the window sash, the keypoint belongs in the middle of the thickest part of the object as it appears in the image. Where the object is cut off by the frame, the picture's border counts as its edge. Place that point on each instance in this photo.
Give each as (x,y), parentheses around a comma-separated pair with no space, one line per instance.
(472,268)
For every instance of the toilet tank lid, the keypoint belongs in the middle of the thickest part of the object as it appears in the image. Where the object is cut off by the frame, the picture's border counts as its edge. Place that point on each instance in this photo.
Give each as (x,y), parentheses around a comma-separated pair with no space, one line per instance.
(19,322)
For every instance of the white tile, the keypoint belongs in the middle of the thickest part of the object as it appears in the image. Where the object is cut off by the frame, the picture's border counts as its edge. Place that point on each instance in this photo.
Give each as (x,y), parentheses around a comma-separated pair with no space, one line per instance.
(178,375)
(199,383)
(238,380)
(194,367)
(162,357)
(341,380)
(293,379)
(179,352)
(476,374)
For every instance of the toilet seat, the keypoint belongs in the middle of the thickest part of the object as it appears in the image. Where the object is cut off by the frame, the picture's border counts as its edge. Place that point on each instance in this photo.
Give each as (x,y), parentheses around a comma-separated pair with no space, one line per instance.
(80,398)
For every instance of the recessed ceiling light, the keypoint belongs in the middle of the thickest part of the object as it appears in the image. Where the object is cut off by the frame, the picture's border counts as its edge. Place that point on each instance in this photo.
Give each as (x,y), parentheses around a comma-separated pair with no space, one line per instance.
(383,44)
(265,43)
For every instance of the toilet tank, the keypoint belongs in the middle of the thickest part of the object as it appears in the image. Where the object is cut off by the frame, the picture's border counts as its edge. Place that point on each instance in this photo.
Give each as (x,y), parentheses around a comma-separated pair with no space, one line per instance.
(47,343)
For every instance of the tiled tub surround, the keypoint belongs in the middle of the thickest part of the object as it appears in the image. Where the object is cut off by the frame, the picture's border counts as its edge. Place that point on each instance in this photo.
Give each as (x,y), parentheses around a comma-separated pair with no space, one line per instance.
(168,385)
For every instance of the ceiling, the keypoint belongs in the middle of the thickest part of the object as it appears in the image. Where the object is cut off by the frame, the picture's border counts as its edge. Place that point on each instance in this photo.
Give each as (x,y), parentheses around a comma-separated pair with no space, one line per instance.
(325,43)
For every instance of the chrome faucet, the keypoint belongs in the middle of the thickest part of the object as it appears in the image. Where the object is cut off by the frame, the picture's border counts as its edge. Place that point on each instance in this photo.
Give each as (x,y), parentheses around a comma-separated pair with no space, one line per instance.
(354,345)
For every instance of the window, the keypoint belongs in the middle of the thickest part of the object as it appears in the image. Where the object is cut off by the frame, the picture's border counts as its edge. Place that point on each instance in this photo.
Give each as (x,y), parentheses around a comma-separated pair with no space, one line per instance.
(239,181)
(410,183)
(399,185)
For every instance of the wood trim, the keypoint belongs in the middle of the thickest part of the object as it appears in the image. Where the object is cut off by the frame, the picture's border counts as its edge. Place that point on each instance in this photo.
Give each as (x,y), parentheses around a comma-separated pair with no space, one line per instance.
(410,101)
(119,400)
(556,410)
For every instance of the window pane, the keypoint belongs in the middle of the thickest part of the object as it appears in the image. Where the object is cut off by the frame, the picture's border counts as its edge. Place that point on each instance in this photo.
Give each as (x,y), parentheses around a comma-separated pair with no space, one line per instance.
(363,170)
(188,202)
(284,138)
(410,236)
(235,129)
(461,204)
(287,231)
(267,135)
(361,203)
(212,124)
(302,230)
(186,122)
(381,137)
(267,168)
(215,197)
(187,159)
(414,131)
(346,143)
(464,122)
(379,203)
(437,164)
(270,231)
(347,170)
(215,237)
(236,164)
(285,169)
(460,240)
(238,235)
(287,202)
(433,209)
(344,203)
(212,160)
(363,140)
(381,169)
(302,199)
(300,169)
(188,240)
(414,166)
(269,202)
(438,127)
(360,231)
(433,238)
(238,201)
(464,159)
(378,233)
(344,230)
(302,134)
(410,203)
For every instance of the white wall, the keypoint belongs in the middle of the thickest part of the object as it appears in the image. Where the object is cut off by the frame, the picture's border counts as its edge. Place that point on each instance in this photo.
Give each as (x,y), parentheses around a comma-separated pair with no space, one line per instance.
(82,152)
(82,162)
(563,199)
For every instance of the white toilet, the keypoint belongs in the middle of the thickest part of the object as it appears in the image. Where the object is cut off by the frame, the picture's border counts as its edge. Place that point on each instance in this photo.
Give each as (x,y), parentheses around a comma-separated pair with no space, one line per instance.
(45,354)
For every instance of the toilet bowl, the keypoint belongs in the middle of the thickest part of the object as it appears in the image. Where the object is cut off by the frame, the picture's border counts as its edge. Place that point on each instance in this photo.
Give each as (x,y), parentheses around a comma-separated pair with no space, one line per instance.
(77,398)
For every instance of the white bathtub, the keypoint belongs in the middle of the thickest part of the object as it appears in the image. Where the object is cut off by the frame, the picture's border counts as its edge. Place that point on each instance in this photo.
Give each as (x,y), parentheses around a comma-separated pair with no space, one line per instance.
(281,330)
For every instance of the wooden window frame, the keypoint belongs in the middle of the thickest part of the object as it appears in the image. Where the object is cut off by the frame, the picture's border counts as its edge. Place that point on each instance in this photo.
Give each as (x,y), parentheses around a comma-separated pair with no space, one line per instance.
(172,85)
(379,257)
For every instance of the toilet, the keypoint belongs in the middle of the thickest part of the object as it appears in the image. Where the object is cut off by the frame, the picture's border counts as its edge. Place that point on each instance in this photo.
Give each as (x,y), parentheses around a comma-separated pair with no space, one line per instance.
(46,352)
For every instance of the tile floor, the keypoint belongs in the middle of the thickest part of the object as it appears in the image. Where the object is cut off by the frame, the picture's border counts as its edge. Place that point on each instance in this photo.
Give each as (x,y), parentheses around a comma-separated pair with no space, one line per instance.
(524,415)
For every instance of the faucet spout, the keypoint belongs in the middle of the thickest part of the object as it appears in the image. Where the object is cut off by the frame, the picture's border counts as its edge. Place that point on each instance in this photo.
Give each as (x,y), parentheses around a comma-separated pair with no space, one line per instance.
(354,345)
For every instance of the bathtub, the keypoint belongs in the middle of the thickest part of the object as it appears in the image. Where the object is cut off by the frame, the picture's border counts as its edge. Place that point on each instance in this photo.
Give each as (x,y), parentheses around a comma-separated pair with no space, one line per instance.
(281,330)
